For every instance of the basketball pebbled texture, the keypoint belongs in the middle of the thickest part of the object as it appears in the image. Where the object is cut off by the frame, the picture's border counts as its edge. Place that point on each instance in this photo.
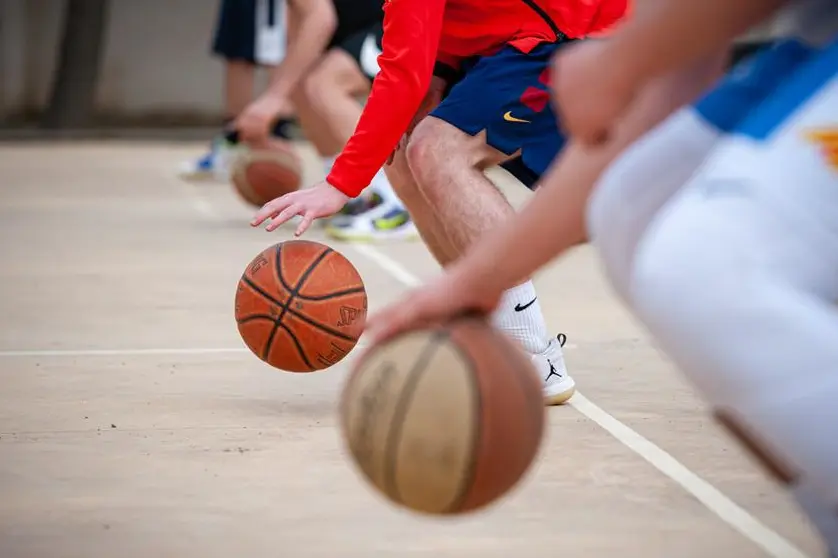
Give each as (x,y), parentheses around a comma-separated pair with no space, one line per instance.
(444,421)
(300,306)
(261,174)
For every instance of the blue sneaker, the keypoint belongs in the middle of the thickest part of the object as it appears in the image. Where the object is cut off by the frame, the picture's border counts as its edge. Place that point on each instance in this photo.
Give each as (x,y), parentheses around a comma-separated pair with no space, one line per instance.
(214,165)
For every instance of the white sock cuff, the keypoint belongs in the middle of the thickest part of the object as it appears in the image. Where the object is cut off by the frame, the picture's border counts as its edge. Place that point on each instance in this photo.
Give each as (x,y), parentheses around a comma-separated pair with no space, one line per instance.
(518,296)
(519,316)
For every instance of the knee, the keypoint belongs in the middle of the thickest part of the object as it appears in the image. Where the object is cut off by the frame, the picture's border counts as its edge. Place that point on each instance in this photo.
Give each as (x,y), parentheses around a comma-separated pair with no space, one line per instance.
(634,188)
(672,285)
(310,91)
(401,178)
(606,221)
(700,296)
(432,148)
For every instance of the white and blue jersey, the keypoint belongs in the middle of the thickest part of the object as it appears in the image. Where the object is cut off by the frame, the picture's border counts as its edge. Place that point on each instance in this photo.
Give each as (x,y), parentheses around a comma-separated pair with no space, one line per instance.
(795,67)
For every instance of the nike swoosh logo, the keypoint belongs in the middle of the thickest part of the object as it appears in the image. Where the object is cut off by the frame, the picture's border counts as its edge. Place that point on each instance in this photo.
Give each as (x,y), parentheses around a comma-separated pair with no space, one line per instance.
(509,118)
(369,56)
(520,308)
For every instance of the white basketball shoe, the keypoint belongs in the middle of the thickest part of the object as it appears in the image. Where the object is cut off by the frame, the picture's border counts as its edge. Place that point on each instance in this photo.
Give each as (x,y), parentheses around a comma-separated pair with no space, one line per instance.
(550,366)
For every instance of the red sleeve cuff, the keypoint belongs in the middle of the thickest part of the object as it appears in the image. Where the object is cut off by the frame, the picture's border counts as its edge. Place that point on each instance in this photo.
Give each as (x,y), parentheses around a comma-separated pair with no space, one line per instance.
(338,181)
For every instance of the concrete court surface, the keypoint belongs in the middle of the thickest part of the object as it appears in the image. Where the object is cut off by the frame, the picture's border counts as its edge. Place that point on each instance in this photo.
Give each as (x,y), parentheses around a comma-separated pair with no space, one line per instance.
(134,424)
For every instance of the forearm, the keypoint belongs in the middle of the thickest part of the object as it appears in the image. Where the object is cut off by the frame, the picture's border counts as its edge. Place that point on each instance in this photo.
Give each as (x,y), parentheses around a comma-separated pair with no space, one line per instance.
(412,30)
(667,34)
(315,22)
(554,220)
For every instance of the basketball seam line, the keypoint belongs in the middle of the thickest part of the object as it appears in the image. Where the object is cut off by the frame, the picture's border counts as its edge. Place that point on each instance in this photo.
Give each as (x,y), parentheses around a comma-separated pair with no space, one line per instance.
(293,293)
(400,411)
(298,315)
(277,325)
(467,480)
(278,269)
(331,296)
(296,342)
(286,307)
(320,298)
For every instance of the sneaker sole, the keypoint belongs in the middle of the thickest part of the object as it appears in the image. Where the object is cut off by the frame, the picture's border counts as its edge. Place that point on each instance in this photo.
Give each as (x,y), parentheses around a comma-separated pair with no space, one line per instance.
(367,237)
(566,389)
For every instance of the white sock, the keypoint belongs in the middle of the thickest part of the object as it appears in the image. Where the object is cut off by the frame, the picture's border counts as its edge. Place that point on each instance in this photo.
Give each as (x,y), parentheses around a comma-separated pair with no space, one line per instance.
(381,185)
(519,316)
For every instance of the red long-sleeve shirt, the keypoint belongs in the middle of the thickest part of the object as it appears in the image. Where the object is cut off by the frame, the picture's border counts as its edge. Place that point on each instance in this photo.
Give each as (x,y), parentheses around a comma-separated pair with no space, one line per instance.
(418,33)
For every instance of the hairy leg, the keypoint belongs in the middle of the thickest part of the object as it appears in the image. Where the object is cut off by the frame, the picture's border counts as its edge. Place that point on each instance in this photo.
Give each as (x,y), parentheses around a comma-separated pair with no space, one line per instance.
(460,203)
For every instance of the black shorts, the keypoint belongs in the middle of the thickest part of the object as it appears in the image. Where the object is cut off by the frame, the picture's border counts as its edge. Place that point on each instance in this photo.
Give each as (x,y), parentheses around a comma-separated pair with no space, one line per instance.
(363,45)
(359,33)
(238,24)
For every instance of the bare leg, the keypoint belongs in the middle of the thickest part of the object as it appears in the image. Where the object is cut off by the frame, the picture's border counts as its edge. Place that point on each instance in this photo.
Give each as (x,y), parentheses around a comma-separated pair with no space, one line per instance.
(238,86)
(327,101)
(453,204)
(429,227)
(460,203)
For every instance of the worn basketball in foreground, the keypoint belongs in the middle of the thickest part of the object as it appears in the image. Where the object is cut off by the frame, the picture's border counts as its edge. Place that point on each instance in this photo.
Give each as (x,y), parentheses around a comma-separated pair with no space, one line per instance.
(262,173)
(446,420)
(300,306)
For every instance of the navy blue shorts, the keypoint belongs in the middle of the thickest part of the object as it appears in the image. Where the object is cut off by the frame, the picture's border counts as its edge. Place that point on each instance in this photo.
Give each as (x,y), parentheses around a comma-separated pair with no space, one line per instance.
(508,95)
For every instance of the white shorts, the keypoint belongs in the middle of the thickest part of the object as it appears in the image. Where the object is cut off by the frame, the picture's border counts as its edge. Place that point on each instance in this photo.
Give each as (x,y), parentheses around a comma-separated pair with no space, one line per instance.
(732,257)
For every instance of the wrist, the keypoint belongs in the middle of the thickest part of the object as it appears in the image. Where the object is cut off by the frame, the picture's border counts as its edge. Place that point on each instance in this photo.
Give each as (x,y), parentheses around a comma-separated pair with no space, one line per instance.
(271,103)
(333,181)
(634,60)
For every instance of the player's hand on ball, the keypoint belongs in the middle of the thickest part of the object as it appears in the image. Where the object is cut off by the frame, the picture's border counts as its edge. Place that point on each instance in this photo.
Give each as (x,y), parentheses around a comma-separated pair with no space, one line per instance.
(441,300)
(255,121)
(591,90)
(322,200)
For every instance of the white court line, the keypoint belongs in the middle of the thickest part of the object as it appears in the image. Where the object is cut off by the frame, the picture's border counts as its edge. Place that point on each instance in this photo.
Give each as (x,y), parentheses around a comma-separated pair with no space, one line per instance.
(389,265)
(713,499)
(188,351)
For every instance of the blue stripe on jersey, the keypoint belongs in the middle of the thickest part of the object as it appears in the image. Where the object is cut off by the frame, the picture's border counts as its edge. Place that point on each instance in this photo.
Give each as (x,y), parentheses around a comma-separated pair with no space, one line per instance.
(750,82)
(804,83)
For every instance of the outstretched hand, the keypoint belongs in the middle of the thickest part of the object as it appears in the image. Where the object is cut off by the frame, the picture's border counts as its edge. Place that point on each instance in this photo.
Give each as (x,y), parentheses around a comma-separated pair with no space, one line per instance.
(318,201)
(255,121)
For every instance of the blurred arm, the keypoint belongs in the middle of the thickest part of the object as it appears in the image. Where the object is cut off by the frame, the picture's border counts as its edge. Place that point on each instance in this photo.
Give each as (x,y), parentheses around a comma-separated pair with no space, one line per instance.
(412,30)
(666,34)
(314,23)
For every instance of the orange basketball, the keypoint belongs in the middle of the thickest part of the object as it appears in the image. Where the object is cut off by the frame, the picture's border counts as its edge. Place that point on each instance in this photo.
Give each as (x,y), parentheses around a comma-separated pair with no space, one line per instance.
(444,420)
(263,173)
(301,306)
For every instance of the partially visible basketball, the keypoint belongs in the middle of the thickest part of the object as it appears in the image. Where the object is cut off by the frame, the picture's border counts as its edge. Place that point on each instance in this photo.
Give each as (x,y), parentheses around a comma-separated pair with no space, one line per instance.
(445,420)
(263,173)
(300,306)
